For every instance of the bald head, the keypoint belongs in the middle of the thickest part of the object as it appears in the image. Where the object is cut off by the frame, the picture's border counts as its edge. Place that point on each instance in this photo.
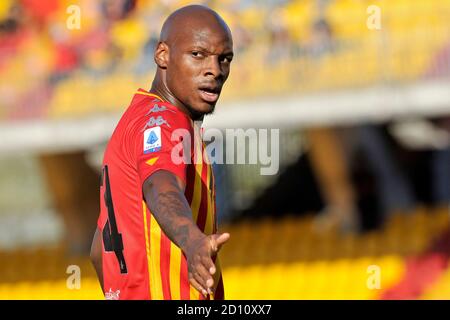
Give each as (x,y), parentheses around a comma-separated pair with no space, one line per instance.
(191,18)
(193,57)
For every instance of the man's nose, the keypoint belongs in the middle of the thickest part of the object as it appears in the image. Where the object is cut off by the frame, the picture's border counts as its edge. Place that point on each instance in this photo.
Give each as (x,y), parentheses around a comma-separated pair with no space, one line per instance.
(213,67)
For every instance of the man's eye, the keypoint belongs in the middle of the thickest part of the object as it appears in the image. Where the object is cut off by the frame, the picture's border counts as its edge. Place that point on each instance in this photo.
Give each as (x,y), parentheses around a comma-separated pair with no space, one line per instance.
(196,54)
(226,59)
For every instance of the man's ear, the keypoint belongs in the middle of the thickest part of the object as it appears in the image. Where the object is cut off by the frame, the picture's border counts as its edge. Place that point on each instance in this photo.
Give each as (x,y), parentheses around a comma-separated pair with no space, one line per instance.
(162,55)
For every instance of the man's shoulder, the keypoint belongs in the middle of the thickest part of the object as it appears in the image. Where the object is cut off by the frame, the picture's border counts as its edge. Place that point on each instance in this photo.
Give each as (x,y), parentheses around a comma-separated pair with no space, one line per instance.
(148,110)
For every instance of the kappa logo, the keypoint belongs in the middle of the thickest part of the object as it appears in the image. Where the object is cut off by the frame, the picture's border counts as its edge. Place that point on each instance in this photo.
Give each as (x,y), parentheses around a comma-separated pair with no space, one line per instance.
(158,121)
(112,295)
(157,108)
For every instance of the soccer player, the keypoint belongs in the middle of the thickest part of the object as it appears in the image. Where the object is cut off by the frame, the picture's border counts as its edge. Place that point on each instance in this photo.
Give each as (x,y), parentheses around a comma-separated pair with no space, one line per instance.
(157,236)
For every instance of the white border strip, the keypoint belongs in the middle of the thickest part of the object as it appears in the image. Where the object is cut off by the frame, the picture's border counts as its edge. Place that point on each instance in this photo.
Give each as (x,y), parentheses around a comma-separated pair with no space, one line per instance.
(376,104)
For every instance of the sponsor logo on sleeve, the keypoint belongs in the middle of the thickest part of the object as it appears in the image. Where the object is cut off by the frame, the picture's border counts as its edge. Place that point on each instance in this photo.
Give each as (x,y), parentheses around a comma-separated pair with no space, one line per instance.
(156,108)
(158,121)
(152,140)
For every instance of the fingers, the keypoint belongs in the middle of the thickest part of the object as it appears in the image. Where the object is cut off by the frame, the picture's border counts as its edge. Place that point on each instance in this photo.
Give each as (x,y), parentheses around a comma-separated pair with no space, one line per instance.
(201,282)
(205,278)
(201,265)
(200,278)
(197,285)
(219,240)
(209,264)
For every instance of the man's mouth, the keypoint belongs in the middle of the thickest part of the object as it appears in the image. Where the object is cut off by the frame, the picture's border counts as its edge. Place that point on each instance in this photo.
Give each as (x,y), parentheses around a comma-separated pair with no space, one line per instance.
(209,94)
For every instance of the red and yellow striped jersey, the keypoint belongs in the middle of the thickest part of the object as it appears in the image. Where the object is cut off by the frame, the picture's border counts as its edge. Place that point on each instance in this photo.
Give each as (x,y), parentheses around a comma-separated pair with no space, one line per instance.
(139,261)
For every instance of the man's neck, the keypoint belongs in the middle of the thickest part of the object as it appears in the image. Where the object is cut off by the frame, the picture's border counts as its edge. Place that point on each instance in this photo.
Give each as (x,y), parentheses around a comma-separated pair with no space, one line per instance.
(161,90)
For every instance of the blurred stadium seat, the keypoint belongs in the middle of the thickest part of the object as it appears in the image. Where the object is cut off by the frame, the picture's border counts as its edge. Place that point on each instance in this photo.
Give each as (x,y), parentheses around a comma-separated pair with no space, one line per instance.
(290,262)
(410,38)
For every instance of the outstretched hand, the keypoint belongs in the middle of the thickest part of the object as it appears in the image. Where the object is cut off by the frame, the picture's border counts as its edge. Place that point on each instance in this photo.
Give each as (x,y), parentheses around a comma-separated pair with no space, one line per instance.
(201,267)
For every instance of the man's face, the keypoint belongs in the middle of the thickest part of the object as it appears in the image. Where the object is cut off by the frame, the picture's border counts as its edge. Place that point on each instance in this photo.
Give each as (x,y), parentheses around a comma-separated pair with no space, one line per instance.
(199,65)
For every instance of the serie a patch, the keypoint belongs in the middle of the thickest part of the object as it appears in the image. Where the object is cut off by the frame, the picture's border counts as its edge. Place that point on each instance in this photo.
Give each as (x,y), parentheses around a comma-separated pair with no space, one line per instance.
(152,140)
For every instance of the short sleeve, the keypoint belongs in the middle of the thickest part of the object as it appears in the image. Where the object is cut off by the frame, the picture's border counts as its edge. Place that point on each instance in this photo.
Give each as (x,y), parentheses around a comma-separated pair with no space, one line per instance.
(157,142)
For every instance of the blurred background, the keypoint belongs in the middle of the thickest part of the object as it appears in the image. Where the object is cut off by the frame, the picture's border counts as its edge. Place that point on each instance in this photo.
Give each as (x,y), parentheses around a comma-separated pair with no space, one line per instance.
(360,91)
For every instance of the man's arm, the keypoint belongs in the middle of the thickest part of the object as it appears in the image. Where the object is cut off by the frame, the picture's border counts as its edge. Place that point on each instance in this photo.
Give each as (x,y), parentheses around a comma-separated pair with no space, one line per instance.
(96,256)
(164,195)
